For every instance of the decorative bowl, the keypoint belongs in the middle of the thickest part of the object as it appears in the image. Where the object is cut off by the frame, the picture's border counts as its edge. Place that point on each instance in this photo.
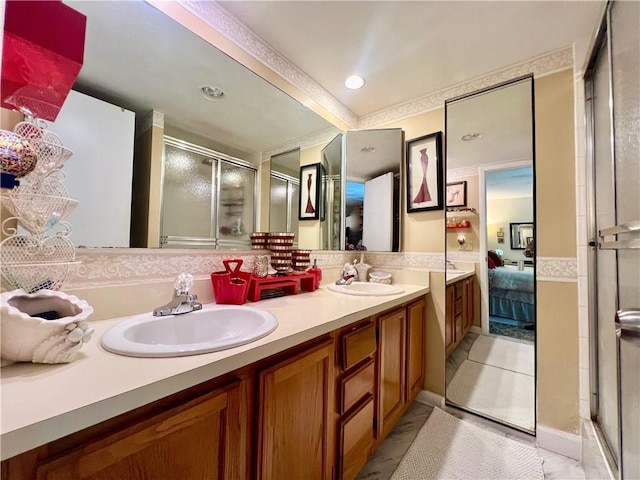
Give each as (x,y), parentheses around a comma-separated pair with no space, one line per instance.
(29,336)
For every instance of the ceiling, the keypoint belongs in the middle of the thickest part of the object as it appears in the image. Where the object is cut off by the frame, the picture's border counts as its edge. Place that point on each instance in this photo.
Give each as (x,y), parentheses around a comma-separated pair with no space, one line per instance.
(140,59)
(407,49)
(502,117)
(512,183)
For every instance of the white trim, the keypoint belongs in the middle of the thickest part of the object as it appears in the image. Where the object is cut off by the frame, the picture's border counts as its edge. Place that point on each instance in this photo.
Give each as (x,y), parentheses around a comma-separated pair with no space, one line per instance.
(560,442)
(429,398)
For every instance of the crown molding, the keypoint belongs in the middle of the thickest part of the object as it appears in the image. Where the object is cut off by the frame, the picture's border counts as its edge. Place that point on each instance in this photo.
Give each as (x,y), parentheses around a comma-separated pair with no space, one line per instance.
(226,24)
(323,137)
(462,172)
(541,65)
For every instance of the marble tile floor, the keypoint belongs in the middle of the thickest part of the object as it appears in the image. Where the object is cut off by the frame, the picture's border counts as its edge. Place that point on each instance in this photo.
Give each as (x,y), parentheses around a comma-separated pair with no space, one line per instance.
(388,456)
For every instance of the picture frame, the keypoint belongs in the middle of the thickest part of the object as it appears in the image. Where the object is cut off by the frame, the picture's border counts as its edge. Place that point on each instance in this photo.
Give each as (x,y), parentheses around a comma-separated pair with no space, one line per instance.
(457,194)
(309,207)
(424,168)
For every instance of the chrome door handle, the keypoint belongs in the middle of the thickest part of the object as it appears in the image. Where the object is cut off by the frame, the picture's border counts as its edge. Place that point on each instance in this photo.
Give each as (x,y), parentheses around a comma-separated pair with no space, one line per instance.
(628,320)
(629,228)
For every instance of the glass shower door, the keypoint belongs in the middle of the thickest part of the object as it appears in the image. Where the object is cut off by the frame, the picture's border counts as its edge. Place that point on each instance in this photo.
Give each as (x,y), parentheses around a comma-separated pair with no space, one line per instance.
(187,197)
(236,214)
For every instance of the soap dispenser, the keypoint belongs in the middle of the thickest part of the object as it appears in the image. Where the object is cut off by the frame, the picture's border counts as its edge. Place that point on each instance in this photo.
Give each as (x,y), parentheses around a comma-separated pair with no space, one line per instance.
(317,273)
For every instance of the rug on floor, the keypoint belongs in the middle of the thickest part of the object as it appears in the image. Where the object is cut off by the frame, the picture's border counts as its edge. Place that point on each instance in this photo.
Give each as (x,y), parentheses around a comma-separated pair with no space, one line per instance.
(504,353)
(501,394)
(511,331)
(447,447)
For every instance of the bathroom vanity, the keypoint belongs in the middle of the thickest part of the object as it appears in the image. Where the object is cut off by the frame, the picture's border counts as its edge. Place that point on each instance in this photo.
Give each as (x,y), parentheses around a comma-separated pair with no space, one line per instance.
(460,309)
(313,399)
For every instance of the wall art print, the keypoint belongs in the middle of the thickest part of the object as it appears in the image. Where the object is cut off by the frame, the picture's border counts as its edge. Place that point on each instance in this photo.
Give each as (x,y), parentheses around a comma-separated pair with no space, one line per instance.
(310,207)
(457,194)
(424,173)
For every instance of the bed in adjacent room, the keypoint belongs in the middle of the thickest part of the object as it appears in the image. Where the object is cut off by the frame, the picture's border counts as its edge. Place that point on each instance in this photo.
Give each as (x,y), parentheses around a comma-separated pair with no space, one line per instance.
(511,293)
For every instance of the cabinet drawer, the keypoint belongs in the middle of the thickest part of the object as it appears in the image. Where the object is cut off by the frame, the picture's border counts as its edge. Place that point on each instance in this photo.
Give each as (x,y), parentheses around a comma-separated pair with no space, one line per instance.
(358,345)
(356,439)
(356,385)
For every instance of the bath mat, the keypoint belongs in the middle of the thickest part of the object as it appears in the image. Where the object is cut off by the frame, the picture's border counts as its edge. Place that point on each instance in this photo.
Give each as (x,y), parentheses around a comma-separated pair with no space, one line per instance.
(498,393)
(449,448)
(502,353)
(511,331)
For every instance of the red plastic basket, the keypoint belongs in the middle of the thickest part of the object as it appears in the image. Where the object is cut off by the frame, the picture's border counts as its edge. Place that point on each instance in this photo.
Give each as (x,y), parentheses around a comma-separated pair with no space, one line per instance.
(232,285)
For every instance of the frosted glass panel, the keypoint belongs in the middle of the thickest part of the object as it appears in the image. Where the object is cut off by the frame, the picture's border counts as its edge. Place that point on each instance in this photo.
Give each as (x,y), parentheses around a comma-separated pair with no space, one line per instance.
(606,259)
(279,205)
(625,59)
(236,212)
(294,188)
(186,200)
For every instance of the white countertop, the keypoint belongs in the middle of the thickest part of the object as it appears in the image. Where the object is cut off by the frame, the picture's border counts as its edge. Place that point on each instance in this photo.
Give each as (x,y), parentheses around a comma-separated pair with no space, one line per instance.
(41,403)
(453,277)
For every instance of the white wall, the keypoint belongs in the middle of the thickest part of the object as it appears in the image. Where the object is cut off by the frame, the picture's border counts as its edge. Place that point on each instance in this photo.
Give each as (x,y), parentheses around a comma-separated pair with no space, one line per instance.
(99,173)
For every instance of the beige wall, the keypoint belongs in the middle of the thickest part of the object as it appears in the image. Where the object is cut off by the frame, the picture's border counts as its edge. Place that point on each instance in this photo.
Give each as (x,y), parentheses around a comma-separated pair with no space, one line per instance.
(558,360)
(421,231)
(555,166)
(147,180)
(309,230)
(500,213)
(472,235)
(434,380)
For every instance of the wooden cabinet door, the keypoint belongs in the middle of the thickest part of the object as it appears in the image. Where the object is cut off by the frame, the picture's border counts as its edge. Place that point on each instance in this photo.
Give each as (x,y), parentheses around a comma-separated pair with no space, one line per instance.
(296,420)
(201,439)
(449,328)
(356,439)
(391,370)
(470,302)
(416,319)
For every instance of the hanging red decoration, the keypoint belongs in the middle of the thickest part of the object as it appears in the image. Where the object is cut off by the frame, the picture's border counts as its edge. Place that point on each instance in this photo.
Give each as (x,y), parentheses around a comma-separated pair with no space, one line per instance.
(43,52)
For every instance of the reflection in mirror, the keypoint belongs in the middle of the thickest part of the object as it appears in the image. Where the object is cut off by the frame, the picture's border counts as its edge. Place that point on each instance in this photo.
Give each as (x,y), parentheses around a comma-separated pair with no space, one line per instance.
(521,235)
(284,192)
(490,311)
(217,191)
(373,161)
(122,66)
(332,162)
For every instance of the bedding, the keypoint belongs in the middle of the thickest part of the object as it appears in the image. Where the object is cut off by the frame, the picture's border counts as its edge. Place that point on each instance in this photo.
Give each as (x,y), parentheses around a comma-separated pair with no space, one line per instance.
(511,293)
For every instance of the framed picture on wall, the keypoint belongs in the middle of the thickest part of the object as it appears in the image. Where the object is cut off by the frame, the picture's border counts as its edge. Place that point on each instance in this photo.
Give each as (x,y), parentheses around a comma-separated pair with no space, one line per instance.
(310,192)
(424,173)
(457,194)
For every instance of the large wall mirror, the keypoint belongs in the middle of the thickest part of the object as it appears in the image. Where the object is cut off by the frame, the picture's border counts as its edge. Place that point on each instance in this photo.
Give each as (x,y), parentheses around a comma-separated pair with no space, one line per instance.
(194,179)
(140,60)
(373,162)
(490,309)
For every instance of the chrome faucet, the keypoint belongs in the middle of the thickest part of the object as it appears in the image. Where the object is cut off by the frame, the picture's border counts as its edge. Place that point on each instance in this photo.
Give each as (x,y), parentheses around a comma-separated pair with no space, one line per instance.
(183,301)
(450,264)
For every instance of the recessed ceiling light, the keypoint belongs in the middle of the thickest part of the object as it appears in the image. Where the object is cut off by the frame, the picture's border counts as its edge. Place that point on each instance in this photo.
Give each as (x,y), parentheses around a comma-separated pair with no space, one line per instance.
(211,93)
(354,82)
(367,149)
(470,136)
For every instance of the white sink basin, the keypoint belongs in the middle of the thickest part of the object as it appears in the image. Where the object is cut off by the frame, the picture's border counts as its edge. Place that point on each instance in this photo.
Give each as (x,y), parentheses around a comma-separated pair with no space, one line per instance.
(366,289)
(215,327)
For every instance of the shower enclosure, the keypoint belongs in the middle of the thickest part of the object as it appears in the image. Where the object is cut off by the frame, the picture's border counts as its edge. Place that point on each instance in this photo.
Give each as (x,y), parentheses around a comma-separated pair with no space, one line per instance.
(208,198)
